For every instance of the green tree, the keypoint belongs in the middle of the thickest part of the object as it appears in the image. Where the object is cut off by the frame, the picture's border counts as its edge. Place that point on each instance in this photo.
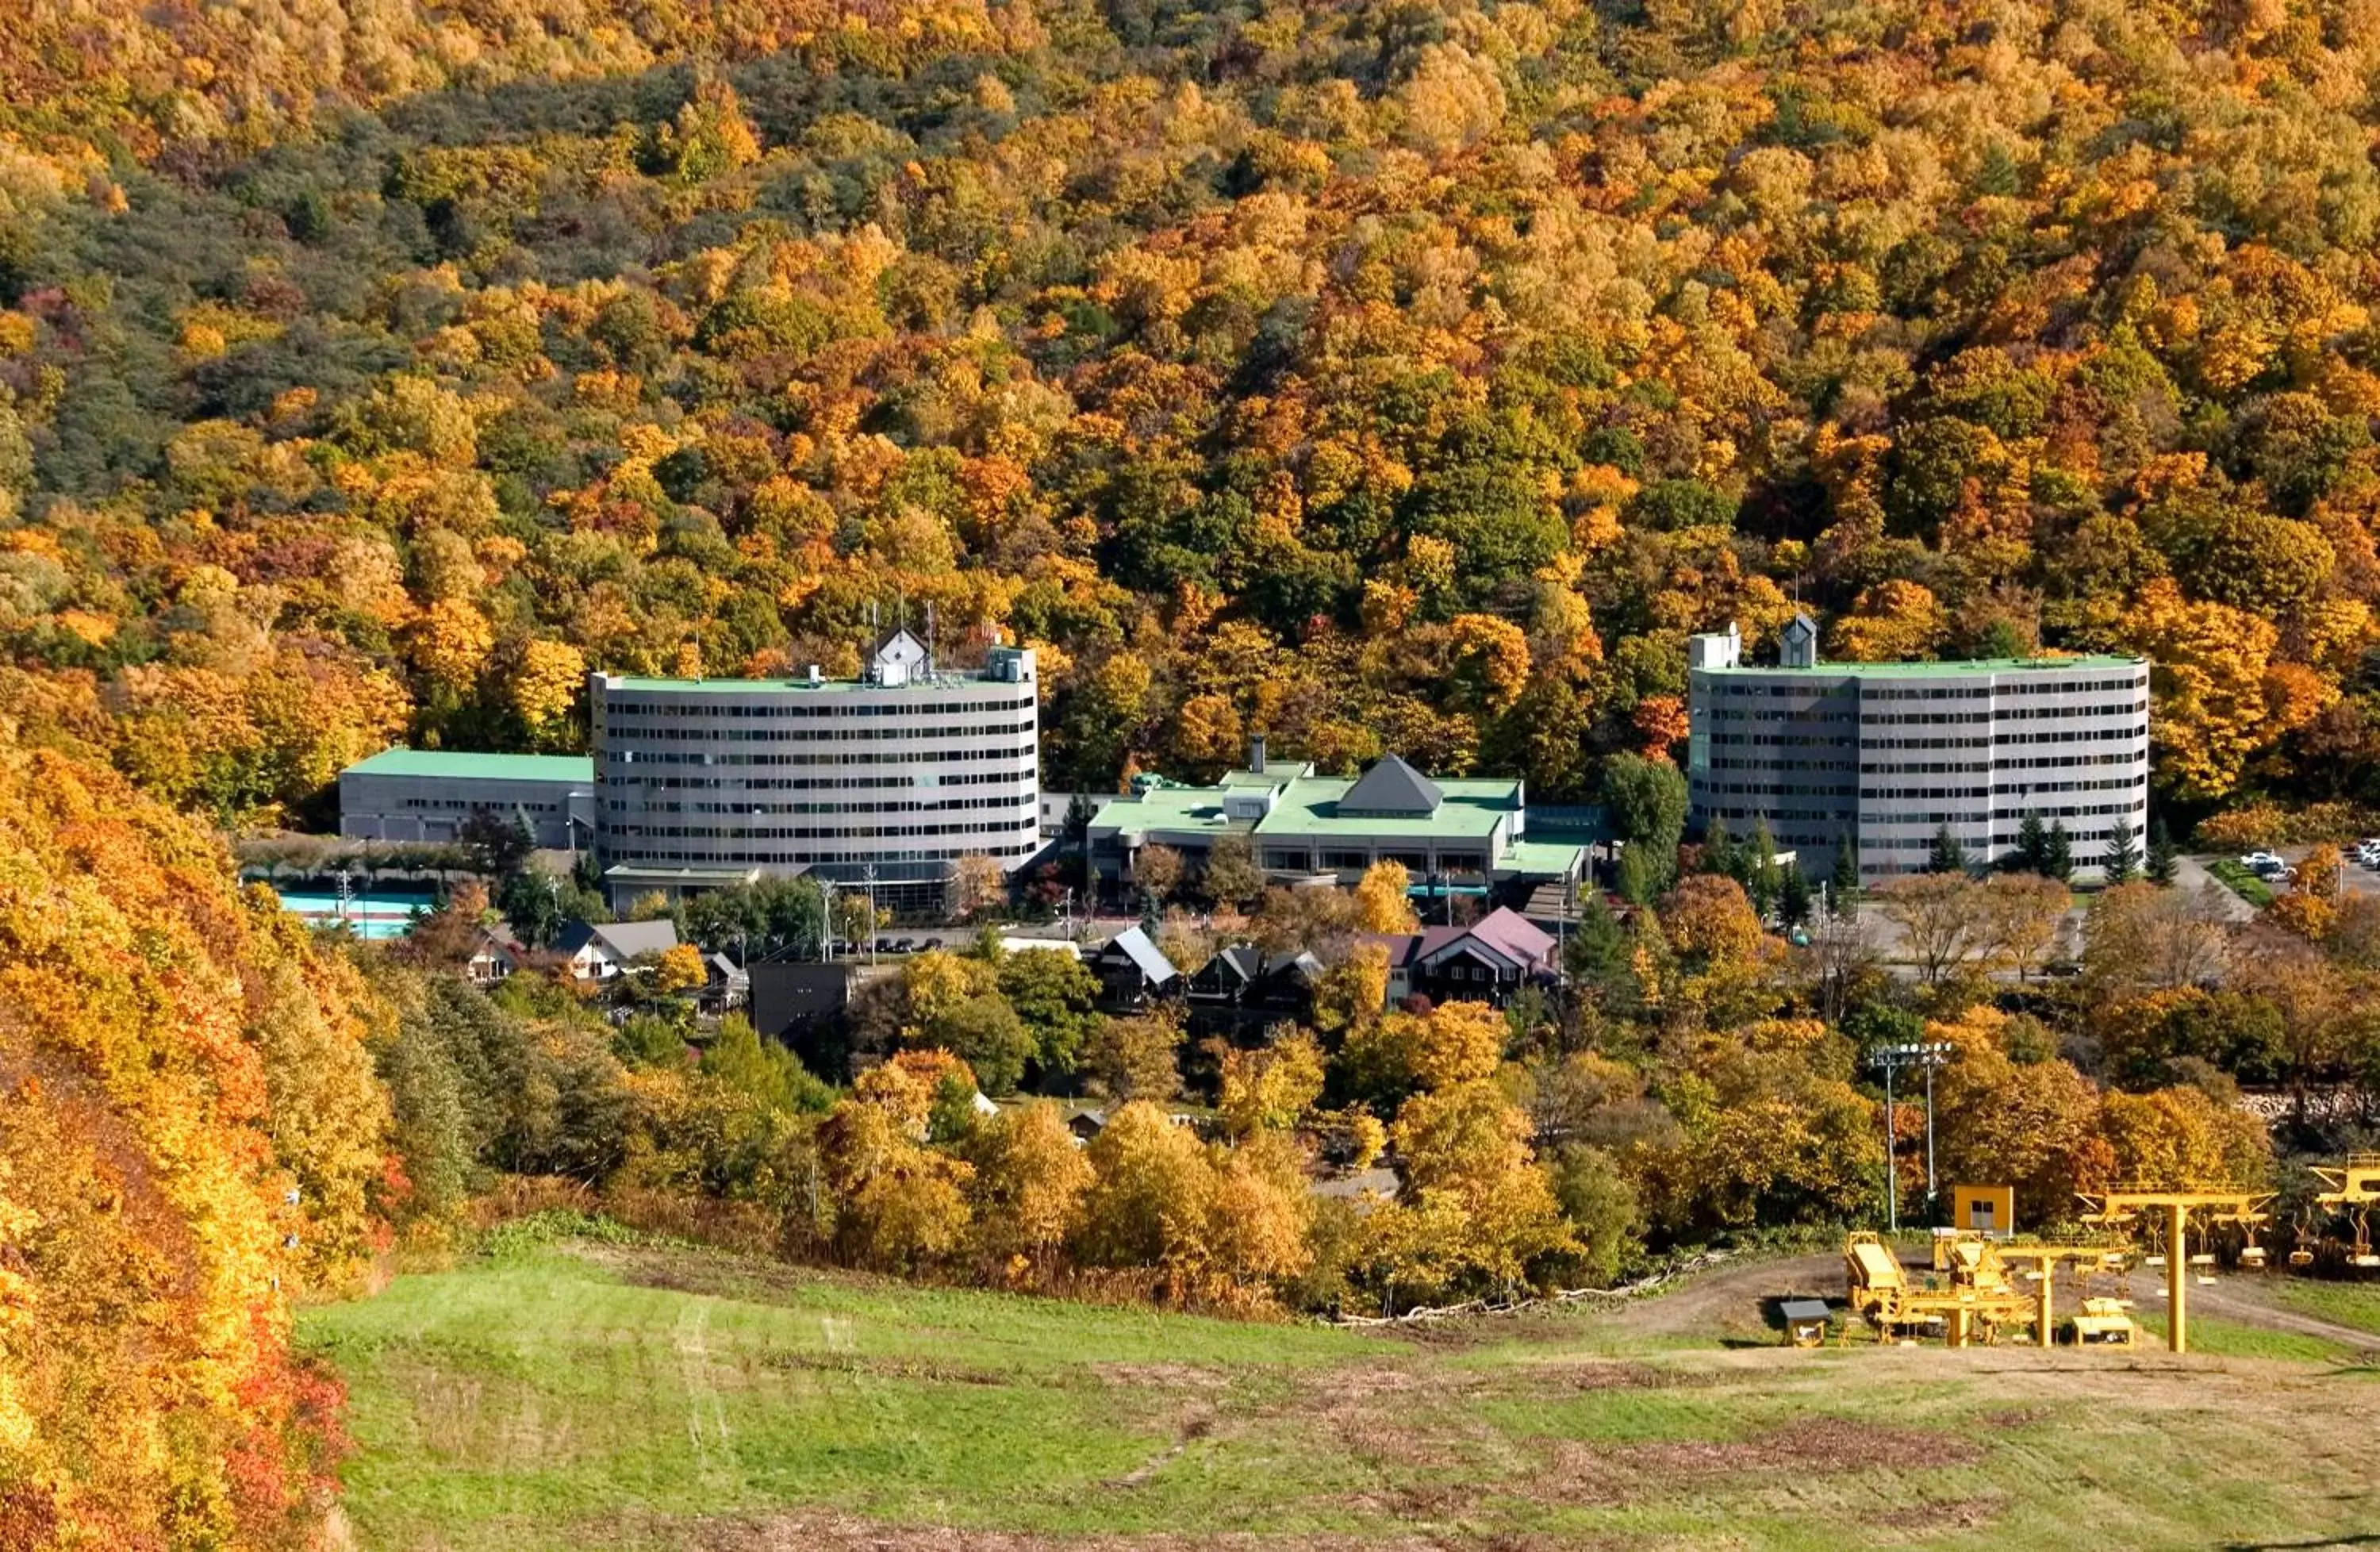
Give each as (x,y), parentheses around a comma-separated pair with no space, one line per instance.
(2162,854)
(1947,856)
(1760,873)
(1793,896)
(2033,846)
(1718,848)
(1843,883)
(1053,993)
(1646,800)
(2123,859)
(1231,877)
(2059,861)
(763,1071)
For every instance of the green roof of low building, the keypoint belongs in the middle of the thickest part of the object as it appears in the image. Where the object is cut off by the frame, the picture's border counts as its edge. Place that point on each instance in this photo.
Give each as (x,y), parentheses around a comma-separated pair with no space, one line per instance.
(1933,670)
(1307,807)
(456,765)
(1310,807)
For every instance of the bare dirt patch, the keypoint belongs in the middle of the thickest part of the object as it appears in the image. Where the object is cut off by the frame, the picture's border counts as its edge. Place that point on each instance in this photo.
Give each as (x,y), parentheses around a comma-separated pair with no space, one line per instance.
(904,1366)
(1162,1376)
(839,1533)
(1615,1474)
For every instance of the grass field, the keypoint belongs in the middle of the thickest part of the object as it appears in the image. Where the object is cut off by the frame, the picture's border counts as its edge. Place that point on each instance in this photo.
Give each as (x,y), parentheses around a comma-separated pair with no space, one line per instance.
(2242,882)
(590,1396)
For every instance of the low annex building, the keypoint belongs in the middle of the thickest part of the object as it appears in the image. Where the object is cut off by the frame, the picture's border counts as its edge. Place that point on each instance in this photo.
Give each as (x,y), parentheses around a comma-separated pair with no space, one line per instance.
(1469,834)
(1884,755)
(425,795)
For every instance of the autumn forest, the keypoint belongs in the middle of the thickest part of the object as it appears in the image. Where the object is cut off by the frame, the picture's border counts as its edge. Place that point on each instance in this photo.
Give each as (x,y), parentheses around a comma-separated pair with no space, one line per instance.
(1375,377)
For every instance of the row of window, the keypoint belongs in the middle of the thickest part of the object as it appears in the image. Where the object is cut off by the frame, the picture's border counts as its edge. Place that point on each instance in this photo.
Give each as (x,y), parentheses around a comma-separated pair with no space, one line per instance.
(681,857)
(1927,822)
(809,832)
(812,705)
(1417,863)
(889,757)
(1825,741)
(1725,689)
(476,806)
(2126,714)
(636,738)
(2024,686)
(889,805)
(1784,765)
(898,782)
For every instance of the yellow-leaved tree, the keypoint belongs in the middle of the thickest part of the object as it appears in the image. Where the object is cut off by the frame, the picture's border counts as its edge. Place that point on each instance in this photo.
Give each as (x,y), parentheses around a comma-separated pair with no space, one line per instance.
(189,1133)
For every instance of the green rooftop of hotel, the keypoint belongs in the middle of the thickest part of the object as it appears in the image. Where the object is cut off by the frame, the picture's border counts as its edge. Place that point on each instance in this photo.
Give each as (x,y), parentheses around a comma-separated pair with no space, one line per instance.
(1308,806)
(1842,669)
(453,766)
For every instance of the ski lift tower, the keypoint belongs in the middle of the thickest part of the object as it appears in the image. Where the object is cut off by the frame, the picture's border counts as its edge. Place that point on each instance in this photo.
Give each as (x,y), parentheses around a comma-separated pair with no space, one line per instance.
(2124,1207)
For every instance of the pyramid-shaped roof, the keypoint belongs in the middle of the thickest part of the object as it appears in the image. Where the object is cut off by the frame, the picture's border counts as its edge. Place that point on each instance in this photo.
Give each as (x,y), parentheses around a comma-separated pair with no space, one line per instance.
(1393,788)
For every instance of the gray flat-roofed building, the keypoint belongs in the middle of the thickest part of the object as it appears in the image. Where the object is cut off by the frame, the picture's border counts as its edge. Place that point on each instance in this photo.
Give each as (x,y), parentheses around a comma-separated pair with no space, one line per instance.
(426,796)
(901,772)
(1892,752)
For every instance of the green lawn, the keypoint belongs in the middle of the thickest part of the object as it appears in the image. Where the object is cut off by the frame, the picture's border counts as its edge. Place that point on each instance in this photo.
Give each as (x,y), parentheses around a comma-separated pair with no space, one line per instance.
(2355,1304)
(582,1397)
(2242,882)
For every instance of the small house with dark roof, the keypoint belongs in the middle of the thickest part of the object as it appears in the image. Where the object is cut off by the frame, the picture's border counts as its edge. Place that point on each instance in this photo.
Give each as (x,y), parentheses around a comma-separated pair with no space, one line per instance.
(1241,993)
(600,950)
(727,986)
(1134,972)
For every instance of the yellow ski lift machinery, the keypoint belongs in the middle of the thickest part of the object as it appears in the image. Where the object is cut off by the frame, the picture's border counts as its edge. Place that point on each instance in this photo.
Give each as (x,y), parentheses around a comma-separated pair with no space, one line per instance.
(2103,1323)
(2354,1188)
(2124,1208)
(2043,1261)
(1976,1302)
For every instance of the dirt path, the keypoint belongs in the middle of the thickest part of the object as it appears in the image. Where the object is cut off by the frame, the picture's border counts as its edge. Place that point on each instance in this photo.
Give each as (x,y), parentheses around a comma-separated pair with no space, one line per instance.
(1732,1300)
(2253,1301)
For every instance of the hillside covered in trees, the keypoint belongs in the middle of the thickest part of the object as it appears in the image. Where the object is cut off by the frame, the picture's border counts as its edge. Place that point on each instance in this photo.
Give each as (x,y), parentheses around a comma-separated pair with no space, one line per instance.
(1372,376)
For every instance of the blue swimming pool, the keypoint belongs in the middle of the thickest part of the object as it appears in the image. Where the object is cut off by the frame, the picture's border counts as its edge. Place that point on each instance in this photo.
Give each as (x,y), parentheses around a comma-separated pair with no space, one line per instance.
(375,915)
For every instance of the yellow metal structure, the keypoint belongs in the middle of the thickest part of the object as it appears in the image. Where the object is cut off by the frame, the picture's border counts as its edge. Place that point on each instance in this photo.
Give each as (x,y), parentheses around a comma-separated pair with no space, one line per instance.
(1983,1210)
(2354,1189)
(1976,1301)
(2104,1323)
(2123,1209)
(2043,1260)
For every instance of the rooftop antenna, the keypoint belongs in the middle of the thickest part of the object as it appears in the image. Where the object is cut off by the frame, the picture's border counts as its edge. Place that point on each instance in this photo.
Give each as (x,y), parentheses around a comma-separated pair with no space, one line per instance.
(930,639)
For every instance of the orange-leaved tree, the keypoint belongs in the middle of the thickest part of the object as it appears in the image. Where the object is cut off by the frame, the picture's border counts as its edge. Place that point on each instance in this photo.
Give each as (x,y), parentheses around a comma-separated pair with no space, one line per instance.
(189,1132)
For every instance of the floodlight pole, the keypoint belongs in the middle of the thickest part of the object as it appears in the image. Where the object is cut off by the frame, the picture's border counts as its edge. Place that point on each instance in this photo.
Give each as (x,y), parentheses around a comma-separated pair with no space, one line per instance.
(1927,1056)
(1891,1174)
(1930,1192)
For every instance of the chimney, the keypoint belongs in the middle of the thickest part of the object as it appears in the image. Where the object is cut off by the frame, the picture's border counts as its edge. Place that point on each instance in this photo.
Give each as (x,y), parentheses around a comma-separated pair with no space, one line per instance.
(1256,753)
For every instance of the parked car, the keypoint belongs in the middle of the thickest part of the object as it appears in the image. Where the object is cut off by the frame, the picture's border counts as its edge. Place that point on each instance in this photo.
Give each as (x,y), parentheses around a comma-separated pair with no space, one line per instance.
(2262,862)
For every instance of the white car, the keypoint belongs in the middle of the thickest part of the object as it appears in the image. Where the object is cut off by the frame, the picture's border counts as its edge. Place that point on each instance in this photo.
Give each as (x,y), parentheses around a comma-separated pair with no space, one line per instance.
(2262,862)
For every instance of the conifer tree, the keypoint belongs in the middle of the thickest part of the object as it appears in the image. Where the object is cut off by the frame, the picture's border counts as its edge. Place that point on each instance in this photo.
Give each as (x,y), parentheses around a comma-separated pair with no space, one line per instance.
(2162,854)
(2124,855)
(2059,863)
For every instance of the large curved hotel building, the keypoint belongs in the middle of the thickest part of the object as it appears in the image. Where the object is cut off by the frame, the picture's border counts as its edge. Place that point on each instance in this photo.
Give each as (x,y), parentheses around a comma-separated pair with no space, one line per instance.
(1890,753)
(887,779)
